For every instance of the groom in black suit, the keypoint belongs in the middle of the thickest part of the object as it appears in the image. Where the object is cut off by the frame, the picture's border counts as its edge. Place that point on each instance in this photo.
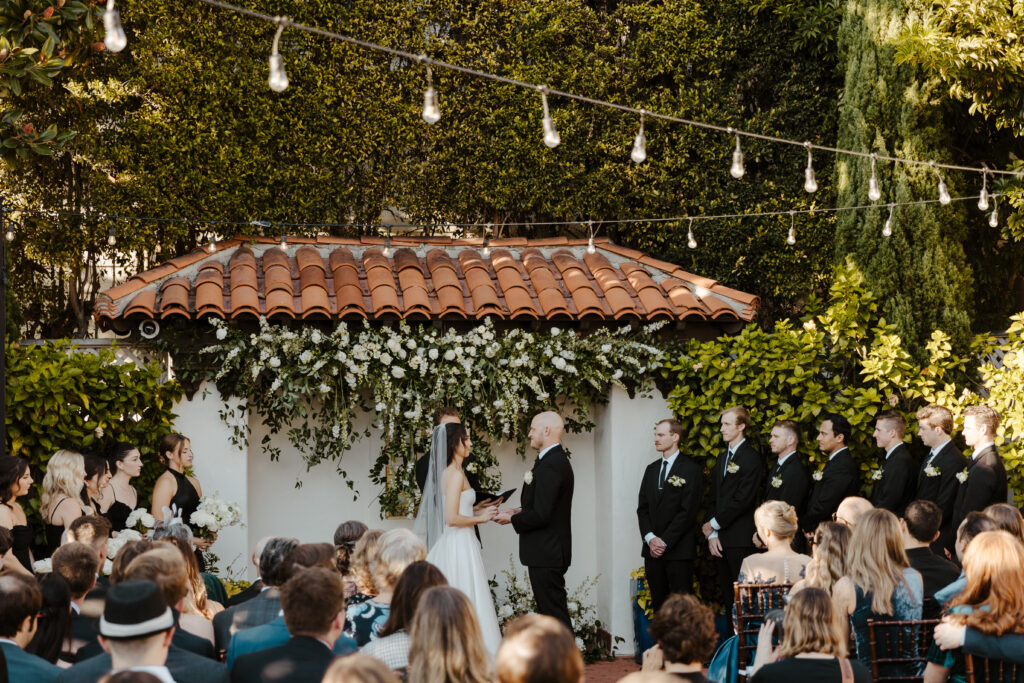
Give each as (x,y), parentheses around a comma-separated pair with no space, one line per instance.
(670,496)
(544,522)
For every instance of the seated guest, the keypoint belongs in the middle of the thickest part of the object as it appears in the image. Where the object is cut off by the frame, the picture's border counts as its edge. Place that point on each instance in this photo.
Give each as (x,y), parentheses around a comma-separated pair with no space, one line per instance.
(78,564)
(20,601)
(266,606)
(1007,518)
(128,552)
(196,614)
(392,643)
(314,611)
(879,581)
(364,555)
(256,586)
(776,524)
(345,538)
(828,558)
(920,527)
(136,628)
(992,602)
(684,631)
(275,632)
(54,623)
(446,641)
(359,668)
(812,648)
(974,523)
(398,549)
(94,531)
(182,535)
(851,509)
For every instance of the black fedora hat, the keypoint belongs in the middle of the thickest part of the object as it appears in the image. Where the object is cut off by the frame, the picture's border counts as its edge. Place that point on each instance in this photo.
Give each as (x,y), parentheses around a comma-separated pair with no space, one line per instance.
(135,609)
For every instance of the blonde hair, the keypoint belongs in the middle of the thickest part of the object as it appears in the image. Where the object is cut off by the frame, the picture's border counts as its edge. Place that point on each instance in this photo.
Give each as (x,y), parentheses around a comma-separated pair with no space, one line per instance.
(446,644)
(364,556)
(359,668)
(811,625)
(877,558)
(398,549)
(65,477)
(828,561)
(778,517)
(1007,518)
(994,567)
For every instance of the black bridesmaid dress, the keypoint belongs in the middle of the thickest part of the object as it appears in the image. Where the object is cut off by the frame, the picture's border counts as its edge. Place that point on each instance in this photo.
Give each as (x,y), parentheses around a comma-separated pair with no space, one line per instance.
(21,542)
(117,515)
(185,498)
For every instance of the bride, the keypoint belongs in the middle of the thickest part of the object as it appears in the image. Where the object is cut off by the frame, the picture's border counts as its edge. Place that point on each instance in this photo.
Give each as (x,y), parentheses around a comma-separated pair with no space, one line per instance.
(446,519)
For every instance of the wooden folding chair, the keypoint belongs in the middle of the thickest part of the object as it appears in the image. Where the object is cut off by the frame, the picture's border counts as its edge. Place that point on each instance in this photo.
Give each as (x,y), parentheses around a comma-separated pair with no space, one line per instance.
(752,602)
(981,670)
(899,648)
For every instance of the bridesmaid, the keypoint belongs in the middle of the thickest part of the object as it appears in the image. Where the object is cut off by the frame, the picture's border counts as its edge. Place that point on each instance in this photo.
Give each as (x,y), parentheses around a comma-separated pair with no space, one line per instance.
(119,498)
(97,476)
(16,481)
(174,487)
(62,495)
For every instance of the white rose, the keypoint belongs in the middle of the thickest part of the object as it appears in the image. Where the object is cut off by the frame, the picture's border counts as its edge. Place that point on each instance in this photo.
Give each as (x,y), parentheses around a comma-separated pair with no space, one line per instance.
(505,611)
(42,566)
(341,356)
(386,358)
(579,643)
(324,388)
(555,331)
(274,362)
(398,372)
(222,333)
(433,354)
(306,356)
(315,337)
(108,567)
(380,407)
(411,344)
(147,520)
(449,355)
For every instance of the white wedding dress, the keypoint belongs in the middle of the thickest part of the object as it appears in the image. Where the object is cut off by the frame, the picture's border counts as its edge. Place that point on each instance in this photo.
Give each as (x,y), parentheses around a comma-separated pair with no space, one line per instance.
(457,554)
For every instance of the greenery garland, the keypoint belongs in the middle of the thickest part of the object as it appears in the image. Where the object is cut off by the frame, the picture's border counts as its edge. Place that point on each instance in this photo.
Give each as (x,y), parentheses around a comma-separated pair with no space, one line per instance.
(310,384)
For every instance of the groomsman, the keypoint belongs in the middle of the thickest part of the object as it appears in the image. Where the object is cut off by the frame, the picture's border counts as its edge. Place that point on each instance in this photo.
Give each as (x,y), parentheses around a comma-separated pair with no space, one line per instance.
(670,496)
(896,479)
(838,480)
(736,481)
(788,479)
(984,480)
(936,480)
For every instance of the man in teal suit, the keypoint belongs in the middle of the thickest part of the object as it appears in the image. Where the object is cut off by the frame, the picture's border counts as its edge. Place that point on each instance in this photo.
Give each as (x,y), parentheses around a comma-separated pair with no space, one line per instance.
(20,602)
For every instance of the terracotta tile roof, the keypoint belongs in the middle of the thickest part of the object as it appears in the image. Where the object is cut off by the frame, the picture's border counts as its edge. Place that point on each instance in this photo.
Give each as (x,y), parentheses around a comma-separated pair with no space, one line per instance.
(423,279)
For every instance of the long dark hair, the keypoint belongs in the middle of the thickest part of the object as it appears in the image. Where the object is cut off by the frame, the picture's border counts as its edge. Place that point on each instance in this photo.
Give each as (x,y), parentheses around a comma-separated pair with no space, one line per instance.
(54,618)
(417,577)
(455,434)
(12,468)
(172,443)
(94,465)
(115,453)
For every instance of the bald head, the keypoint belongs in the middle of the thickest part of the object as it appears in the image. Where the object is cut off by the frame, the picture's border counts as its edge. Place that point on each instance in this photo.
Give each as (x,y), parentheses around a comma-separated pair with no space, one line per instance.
(545,430)
(852,509)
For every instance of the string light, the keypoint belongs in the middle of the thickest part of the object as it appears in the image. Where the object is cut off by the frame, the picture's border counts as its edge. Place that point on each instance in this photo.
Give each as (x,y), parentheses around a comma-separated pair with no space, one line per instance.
(9,235)
(114,38)
(591,249)
(284,242)
(278,80)
(983,197)
(736,171)
(874,191)
(387,246)
(431,112)
(551,137)
(640,142)
(887,228)
(791,237)
(487,240)
(810,182)
(111,237)
(213,244)
(993,220)
(691,241)
(944,197)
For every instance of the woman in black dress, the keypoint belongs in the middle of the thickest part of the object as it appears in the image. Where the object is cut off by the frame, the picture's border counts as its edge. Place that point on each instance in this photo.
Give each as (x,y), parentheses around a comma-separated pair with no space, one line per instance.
(176,488)
(61,501)
(97,476)
(16,481)
(119,498)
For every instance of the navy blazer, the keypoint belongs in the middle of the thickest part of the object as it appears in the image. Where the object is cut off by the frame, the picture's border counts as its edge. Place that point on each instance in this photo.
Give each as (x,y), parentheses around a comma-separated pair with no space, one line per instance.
(260,610)
(671,513)
(273,634)
(300,660)
(545,523)
(24,666)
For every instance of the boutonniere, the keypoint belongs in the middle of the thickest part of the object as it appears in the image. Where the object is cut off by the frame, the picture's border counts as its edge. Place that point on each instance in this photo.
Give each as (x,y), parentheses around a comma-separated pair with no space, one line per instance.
(676,481)
(528,477)
(817,475)
(776,482)
(733,468)
(961,476)
(876,474)
(472,468)
(932,471)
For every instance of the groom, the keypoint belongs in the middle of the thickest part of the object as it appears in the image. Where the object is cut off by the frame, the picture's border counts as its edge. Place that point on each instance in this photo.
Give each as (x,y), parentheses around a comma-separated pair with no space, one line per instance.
(544,521)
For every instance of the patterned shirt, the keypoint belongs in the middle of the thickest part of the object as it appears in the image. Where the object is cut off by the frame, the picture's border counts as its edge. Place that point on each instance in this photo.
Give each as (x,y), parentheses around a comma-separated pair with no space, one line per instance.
(393,650)
(365,620)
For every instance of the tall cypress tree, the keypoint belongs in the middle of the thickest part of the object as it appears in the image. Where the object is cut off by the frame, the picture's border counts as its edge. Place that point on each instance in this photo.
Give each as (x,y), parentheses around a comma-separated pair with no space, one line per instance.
(920,273)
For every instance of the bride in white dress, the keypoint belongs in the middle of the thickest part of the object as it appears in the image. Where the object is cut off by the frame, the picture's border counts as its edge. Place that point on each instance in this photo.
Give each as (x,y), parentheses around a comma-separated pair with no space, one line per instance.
(446,519)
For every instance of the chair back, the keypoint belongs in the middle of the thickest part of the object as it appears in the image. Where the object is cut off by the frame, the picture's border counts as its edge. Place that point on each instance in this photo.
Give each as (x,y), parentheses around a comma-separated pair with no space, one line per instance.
(982,670)
(899,648)
(752,602)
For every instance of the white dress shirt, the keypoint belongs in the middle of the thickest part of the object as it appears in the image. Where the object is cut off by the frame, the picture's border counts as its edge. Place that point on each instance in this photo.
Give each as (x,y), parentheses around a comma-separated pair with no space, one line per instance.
(671,461)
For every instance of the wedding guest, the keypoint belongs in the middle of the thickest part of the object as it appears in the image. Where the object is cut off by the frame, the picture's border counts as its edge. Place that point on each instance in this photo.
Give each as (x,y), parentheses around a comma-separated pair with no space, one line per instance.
(97,476)
(777,525)
(359,668)
(54,622)
(15,482)
(992,602)
(60,503)
(137,628)
(920,528)
(364,556)
(20,601)
(392,643)
(839,479)
(538,649)
(256,586)
(736,481)
(398,549)
(93,531)
(828,559)
(974,524)
(345,538)
(669,501)
(986,476)
(879,582)
(898,473)
(446,642)
(937,479)
(684,631)
(215,591)
(851,510)
(788,480)
(1007,518)
(176,488)
(812,647)
(78,564)
(6,543)
(314,610)
(119,497)
(196,615)
(128,552)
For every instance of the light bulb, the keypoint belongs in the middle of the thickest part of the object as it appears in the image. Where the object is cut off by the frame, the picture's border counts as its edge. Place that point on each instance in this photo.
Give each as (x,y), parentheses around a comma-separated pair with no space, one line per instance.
(111,237)
(944,197)
(691,241)
(551,137)
(993,220)
(487,246)
(639,144)
(278,80)
(431,114)
(887,228)
(284,242)
(9,235)
(736,171)
(874,191)
(983,197)
(791,237)
(810,182)
(387,248)
(213,244)
(114,38)
(591,249)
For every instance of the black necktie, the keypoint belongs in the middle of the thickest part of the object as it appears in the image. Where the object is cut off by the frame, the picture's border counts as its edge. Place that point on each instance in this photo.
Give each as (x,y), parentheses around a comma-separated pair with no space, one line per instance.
(728,458)
(664,471)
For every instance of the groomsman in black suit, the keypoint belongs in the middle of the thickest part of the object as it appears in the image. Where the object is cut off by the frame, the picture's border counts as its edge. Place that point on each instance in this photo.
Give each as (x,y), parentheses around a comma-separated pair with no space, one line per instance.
(788,479)
(838,480)
(985,480)
(896,480)
(936,480)
(735,488)
(670,496)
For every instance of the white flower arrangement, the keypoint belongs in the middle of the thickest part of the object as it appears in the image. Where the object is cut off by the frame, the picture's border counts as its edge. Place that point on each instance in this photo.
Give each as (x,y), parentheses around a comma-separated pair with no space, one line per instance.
(962,476)
(932,471)
(676,481)
(528,477)
(472,468)
(213,514)
(123,537)
(817,475)
(876,474)
(140,520)
(776,482)
(43,566)
(733,468)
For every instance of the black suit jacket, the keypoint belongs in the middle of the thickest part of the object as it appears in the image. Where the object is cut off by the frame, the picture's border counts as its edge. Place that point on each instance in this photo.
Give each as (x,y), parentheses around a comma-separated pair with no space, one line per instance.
(249,593)
(262,609)
(300,660)
(545,523)
(181,639)
(986,484)
(671,514)
(184,666)
(936,573)
(941,489)
(735,496)
(839,480)
(795,483)
(899,481)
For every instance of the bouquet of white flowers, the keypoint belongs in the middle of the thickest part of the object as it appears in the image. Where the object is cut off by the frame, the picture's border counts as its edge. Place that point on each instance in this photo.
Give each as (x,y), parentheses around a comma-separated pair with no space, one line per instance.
(42,566)
(140,520)
(212,515)
(119,541)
